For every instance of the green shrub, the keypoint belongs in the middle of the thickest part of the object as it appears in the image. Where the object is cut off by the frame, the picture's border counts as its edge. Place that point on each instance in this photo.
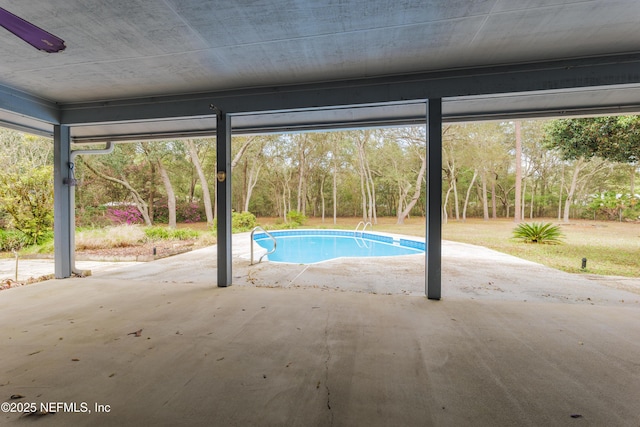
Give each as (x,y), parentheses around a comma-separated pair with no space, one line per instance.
(288,225)
(186,234)
(12,240)
(165,233)
(614,206)
(296,216)
(243,221)
(538,233)
(157,233)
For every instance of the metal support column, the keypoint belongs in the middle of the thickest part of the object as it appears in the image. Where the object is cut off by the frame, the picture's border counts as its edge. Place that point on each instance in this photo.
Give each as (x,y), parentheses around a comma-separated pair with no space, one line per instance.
(223,195)
(62,209)
(433,242)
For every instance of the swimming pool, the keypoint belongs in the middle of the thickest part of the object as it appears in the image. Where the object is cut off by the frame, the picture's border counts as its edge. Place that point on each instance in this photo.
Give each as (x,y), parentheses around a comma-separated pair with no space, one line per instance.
(312,246)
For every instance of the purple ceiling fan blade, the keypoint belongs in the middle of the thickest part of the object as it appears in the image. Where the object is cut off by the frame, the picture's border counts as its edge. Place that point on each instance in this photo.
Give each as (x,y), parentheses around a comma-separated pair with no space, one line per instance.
(35,36)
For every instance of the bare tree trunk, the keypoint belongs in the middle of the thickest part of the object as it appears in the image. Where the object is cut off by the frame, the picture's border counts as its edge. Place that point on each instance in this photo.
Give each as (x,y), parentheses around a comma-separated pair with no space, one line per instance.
(372,199)
(286,193)
(632,186)
(451,166)
(284,204)
(241,151)
(301,205)
(152,187)
(445,214)
(399,208)
(366,181)
(244,186)
(192,188)
(206,196)
(362,183)
(485,199)
(171,195)
(252,180)
(560,195)
(322,196)
(494,209)
(301,172)
(466,199)
(402,195)
(524,199)
(518,215)
(572,189)
(416,193)
(533,194)
(456,202)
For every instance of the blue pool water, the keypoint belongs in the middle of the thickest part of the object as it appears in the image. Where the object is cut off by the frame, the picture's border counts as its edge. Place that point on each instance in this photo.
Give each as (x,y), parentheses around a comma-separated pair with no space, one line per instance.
(311,246)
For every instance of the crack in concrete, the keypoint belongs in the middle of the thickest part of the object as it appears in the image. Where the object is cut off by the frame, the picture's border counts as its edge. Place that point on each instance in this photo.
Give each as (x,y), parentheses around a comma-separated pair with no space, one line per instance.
(326,366)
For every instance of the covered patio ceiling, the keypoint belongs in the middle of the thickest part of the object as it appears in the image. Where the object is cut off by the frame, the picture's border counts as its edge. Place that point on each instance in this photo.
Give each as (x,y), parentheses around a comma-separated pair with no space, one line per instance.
(138,69)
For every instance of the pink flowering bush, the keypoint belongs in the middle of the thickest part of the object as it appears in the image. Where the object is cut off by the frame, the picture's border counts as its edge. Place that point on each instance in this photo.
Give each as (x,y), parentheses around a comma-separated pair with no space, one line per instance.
(190,212)
(124,215)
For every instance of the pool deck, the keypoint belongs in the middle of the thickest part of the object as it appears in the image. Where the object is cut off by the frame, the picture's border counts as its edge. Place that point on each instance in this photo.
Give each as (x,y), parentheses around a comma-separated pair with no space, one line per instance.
(343,343)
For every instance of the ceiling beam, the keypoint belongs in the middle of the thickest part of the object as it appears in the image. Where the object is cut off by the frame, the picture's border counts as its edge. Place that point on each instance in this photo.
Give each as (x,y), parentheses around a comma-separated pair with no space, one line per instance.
(15,102)
(554,75)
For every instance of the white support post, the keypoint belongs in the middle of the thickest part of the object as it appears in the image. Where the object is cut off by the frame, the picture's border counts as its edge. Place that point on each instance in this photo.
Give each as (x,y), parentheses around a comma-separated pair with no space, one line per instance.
(62,209)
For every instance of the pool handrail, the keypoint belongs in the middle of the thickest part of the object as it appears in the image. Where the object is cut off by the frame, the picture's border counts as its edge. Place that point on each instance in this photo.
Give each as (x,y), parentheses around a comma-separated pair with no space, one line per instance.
(268,234)
(368,223)
(355,232)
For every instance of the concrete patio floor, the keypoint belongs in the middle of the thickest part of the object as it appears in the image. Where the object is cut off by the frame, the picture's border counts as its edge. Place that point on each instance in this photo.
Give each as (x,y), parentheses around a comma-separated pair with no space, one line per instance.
(342,343)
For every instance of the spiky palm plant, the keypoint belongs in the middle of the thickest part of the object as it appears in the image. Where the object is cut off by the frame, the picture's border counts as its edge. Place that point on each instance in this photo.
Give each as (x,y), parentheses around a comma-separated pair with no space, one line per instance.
(538,232)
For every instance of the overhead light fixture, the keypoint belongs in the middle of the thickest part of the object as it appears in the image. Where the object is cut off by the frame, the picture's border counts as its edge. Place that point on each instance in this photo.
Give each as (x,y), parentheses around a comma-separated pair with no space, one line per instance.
(35,36)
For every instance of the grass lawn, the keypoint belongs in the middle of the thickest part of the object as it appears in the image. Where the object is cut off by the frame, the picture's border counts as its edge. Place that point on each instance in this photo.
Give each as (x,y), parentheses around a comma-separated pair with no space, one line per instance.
(611,248)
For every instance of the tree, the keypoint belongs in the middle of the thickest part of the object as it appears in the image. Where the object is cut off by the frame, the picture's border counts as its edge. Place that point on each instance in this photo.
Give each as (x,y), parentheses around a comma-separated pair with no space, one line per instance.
(252,164)
(518,214)
(154,155)
(414,139)
(138,200)
(206,196)
(612,138)
(27,197)
(615,138)
(26,186)
(369,214)
(486,154)
(23,151)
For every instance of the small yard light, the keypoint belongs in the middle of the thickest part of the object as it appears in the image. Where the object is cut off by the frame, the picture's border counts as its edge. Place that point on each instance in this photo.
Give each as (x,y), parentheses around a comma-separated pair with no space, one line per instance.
(584,263)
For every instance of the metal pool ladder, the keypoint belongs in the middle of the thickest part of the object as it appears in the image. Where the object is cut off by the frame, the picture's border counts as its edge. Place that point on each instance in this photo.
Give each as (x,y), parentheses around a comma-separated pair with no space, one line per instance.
(355,234)
(367,224)
(268,234)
